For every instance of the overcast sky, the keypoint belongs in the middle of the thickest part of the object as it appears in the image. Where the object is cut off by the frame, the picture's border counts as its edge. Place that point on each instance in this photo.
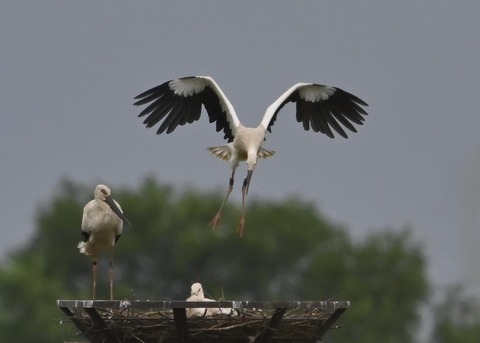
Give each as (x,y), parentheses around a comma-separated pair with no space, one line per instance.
(70,69)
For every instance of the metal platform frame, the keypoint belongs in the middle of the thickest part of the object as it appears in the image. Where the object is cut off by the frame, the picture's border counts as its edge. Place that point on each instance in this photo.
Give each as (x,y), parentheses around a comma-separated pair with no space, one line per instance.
(100,320)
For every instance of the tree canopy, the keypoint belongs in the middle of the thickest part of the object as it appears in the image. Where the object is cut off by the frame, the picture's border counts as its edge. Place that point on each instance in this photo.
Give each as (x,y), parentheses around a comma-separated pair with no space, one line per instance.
(457,317)
(290,252)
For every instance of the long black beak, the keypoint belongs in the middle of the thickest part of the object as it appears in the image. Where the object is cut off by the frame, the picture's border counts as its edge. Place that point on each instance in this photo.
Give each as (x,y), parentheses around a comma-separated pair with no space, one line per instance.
(247,179)
(113,205)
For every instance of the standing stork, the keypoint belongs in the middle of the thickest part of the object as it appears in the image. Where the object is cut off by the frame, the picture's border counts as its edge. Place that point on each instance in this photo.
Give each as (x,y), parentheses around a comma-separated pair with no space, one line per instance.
(179,101)
(102,225)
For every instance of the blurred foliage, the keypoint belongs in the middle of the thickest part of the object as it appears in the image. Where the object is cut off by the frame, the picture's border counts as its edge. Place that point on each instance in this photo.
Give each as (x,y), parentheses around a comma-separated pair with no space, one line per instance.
(289,252)
(457,318)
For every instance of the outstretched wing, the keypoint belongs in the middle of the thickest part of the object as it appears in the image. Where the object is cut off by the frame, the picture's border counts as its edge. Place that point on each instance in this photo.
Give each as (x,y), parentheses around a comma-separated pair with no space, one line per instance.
(321,108)
(180,101)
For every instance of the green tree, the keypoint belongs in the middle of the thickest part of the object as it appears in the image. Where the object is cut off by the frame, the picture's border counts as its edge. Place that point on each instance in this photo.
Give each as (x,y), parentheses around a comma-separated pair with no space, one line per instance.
(387,285)
(456,318)
(289,252)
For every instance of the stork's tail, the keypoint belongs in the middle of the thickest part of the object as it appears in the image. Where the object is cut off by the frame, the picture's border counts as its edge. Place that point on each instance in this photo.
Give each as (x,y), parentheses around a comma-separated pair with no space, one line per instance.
(224,152)
(84,248)
(265,153)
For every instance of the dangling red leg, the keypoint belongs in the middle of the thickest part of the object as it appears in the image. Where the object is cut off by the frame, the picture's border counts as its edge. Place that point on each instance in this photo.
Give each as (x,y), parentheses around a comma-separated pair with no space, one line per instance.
(246,184)
(216,220)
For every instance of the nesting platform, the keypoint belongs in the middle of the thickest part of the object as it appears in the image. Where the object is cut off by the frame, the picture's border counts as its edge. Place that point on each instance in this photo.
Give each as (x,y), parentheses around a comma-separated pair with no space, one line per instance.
(238,321)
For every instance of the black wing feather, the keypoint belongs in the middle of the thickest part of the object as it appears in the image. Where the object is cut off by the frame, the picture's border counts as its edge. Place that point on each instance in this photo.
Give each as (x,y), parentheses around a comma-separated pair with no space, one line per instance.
(340,108)
(172,119)
(85,236)
(153,107)
(158,113)
(151,94)
(334,124)
(322,120)
(178,109)
(216,114)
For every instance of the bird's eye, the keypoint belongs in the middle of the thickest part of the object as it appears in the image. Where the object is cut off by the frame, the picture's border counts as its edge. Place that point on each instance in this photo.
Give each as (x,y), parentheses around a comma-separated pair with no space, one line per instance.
(103,191)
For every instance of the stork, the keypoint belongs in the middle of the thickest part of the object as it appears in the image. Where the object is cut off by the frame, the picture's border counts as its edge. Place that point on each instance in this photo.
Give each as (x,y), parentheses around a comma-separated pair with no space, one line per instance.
(179,101)
(102,226)
(196,294)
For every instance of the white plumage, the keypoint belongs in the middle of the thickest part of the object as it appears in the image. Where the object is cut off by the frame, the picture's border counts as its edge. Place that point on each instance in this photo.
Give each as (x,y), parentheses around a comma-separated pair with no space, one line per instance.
(196,294)
(102,226)
(179,101)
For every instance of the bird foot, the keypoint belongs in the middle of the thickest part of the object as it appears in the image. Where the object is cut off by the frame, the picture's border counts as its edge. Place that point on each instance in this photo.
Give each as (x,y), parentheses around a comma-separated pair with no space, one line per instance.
(215,221)
(241,227)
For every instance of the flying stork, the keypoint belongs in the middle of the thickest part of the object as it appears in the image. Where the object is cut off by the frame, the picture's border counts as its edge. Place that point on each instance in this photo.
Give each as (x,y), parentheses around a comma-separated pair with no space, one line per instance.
(179,101)
(102,225)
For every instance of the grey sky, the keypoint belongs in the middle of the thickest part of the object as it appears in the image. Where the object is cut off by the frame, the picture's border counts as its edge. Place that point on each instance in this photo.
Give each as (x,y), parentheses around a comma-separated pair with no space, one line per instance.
(70,70)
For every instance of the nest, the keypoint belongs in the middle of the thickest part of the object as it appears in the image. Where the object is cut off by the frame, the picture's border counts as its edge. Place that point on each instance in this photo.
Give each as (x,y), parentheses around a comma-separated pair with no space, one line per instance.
(242,324)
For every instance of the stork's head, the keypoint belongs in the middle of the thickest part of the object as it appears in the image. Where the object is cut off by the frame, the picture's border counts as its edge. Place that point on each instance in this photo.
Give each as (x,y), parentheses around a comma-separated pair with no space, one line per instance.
(103,193)
(197,290)
(251,164)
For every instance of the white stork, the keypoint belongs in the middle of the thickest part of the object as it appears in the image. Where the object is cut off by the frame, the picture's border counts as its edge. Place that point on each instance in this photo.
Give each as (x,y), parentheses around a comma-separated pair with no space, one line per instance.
(102,226)
(196,294)
(179,101)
